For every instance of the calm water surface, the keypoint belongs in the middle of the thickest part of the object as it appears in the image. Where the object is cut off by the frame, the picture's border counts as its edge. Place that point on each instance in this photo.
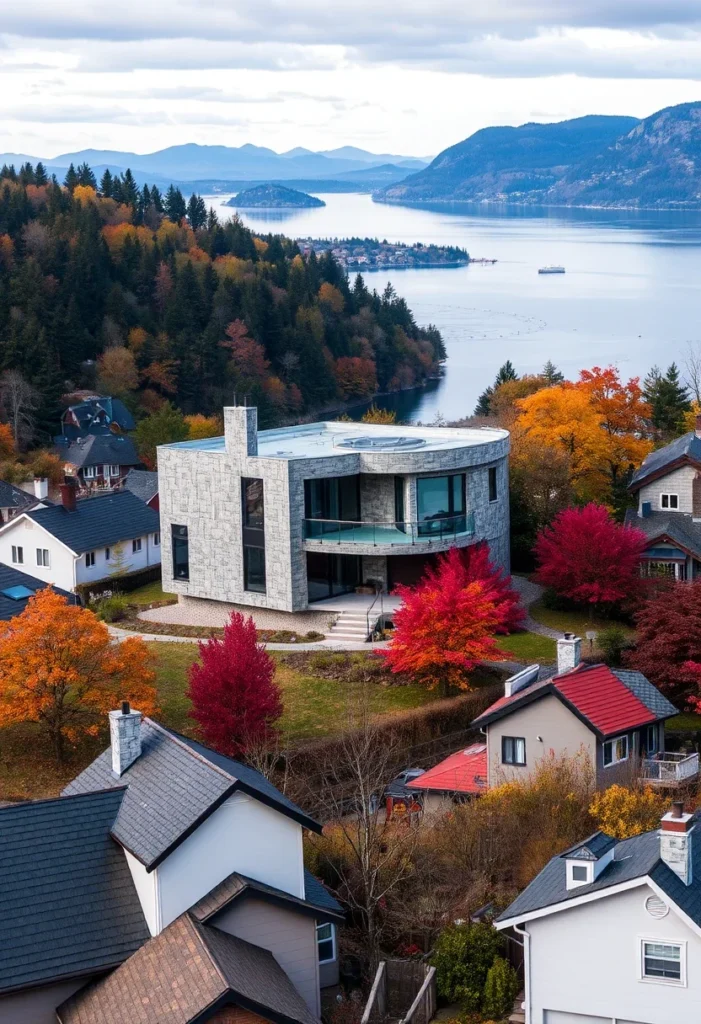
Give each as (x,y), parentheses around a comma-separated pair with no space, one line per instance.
(631,294)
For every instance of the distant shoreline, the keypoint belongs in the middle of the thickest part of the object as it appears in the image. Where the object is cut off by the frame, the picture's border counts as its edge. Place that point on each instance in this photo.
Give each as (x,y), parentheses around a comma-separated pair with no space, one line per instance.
(492,203)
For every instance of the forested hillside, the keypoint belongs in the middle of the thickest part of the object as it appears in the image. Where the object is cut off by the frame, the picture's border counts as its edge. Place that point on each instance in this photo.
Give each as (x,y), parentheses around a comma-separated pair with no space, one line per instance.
(154,300)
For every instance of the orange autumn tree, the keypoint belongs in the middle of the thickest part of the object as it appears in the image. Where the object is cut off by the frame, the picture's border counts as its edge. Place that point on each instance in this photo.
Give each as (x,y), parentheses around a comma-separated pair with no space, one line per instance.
(60,669)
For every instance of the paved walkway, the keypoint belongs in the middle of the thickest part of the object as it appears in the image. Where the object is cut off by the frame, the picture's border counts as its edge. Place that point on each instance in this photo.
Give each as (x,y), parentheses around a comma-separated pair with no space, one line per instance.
(531,592)
(168,638)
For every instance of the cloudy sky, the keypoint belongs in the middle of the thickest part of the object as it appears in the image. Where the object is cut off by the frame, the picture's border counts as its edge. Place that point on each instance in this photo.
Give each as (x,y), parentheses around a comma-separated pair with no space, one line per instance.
(401,76)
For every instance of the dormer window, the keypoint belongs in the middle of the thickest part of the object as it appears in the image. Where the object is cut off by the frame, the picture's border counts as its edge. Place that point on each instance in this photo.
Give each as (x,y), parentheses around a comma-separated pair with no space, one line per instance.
(579,873)
(669,501)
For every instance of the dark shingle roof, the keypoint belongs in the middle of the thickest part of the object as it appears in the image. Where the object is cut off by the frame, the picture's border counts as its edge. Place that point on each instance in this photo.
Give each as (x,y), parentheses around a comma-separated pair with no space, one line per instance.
(686,447)
(11,577)
(67,900)
(96,413)
(15,497)
(318,903)
(643,689)
(592,848)
(98,450)
(678,526)
(142,483)
(633,858)
(172,786)
(186,970)
(97,522)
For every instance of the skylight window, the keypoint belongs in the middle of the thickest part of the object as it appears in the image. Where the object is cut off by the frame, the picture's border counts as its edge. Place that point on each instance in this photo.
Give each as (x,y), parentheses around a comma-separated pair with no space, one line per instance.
(19,593)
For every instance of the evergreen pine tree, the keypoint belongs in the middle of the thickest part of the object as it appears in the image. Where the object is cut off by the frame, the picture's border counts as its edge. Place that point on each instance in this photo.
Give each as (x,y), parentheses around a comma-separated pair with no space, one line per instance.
(156,199)
(71,179)
(130,191)
(107,184)
(86,176)
(506,373)
(174,205)
(196,212)
(40,175)
(551,374)
(668,399)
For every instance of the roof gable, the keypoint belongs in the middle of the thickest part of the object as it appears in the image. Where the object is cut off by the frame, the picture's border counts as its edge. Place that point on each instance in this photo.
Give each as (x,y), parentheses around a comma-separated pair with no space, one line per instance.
(98,522)
(98,450)
(683,450)
(68,905)
(11,577)
(172,787)
(318,902)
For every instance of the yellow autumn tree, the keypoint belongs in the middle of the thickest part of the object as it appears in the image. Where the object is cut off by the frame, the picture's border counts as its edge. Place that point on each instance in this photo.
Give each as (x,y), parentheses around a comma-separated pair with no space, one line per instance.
(199,426)
(60,669)
(622,812)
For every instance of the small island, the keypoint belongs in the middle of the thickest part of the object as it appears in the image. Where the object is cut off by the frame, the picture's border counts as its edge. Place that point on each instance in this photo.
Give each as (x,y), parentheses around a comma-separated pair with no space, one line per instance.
(273,197)
(373,254)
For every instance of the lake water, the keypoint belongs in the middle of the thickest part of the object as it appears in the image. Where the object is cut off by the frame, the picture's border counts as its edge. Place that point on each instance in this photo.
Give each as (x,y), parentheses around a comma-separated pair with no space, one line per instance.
(631,295)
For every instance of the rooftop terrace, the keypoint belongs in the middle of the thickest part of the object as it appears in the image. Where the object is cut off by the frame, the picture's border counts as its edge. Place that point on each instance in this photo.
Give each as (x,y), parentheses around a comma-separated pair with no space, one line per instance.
(319,440)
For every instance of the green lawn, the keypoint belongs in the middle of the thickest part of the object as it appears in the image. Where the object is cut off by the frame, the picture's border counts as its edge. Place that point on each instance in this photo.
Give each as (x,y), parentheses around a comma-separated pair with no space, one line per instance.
(150,592)
(573,622)
(529,647)
(686,722)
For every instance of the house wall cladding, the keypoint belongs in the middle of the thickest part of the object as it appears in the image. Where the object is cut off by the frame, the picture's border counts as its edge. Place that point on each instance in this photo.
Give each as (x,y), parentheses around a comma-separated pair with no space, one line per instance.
(236,1015)
(202,490)
(38,1005)
(679,481)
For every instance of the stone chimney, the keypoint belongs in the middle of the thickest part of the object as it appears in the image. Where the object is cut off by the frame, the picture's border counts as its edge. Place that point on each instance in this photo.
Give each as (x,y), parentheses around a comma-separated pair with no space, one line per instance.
(675,841)
(241,430)
(569,653)
(125,737)
(41,488)
(697,430)
(68,494)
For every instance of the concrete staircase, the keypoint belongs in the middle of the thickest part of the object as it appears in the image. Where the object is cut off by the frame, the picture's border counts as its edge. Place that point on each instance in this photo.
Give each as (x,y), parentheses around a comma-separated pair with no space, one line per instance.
(352,627)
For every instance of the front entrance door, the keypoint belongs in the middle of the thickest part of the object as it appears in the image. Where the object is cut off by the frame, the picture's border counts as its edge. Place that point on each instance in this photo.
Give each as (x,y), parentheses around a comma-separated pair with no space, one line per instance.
(329,575)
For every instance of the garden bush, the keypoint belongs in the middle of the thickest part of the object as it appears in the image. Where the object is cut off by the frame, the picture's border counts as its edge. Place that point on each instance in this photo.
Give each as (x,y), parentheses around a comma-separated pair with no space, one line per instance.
(612,642)
(111,609)
(462,957)
(500,989)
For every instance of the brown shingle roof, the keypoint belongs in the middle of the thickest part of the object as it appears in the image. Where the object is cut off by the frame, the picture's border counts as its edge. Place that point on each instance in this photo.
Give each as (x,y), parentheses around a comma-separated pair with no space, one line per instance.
(181,974)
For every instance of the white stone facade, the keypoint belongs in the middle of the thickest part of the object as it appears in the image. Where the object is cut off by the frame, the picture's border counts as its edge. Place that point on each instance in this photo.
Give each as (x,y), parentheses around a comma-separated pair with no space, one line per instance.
(200,488)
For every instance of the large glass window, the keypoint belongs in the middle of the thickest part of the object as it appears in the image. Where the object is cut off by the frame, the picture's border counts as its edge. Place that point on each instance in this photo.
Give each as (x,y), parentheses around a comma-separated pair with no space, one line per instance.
(181,553)
(253,504)
(662,960)
(325,941)
(615,751)
(439,497)
(254,569)
(333,498)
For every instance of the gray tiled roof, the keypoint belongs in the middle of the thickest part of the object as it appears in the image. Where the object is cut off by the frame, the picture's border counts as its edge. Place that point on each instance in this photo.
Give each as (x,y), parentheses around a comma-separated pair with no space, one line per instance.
(11,577)
(633,858)
(678,526)
(15,497)
(592,848)
(643,689)
(97,522)
(688,446)
(183,975)
(172,786)
(67,899)
(317,903)
(99,450)
(142,483)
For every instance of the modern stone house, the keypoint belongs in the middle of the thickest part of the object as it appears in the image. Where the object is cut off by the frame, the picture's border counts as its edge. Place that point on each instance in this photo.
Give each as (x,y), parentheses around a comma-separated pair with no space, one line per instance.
(668,491)
(283,518)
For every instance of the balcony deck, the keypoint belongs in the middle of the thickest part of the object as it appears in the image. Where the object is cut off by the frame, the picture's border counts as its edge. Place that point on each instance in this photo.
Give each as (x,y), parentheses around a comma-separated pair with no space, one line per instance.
(670,769)
(379,534)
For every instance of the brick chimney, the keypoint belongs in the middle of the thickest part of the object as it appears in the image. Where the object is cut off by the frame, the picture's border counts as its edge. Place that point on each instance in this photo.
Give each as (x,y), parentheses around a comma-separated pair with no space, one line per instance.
(125,737)
(675,841)
(569,653)
(697,430)
(68,494)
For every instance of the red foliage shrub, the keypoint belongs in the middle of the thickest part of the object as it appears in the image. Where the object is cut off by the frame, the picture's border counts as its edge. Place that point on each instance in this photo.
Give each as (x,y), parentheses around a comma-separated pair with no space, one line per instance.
(474,563)
(234,698)
(587,556)
(668,641)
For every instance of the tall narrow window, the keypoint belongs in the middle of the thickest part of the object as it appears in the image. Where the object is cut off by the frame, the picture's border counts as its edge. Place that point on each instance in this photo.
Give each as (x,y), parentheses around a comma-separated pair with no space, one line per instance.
(253,502)
(399,501)
(181,553)
(254,569)
(17,555)
(326,943)
(43,557)
(253,507)
(136,545)
(493,494)
(89,559)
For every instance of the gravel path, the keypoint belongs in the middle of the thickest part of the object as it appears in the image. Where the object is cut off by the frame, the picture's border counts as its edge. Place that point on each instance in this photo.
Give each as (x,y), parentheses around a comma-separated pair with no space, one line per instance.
(531,592)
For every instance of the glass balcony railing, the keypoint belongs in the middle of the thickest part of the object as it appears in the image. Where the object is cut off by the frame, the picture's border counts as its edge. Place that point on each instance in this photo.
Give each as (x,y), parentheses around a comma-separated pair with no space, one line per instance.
(426,531)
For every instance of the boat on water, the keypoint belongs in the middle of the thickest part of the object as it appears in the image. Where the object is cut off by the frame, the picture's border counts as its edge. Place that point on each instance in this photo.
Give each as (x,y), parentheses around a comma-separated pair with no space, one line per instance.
(551,270)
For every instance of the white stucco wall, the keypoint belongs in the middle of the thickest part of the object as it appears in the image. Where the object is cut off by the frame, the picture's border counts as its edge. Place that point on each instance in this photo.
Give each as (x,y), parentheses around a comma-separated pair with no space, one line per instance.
(25,533)
(586,961)
(150,554)
(241,835)
(290,937)
(146,885)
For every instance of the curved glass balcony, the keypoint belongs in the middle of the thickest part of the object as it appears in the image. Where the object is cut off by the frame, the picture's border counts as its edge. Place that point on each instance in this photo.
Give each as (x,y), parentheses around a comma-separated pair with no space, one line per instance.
(342,531)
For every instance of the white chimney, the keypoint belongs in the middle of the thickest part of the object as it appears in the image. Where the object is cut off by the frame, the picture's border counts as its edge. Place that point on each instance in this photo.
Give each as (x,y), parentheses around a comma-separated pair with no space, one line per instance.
(125,737)
(521,680)
(569,653)
(41,488)
(675,842)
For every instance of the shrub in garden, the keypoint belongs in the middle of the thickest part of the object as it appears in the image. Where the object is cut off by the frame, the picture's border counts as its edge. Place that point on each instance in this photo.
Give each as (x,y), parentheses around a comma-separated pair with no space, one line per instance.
(623,812)
(111,609)
(500,989)
(462,957)
(612,642)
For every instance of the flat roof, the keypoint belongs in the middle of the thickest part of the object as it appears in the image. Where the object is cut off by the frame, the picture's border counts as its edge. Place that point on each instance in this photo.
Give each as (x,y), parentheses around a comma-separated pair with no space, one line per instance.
(318,440)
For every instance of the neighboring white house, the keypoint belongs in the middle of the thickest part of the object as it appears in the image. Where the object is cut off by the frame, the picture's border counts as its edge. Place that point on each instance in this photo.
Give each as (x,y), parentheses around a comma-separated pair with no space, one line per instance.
(611,930)
(163,866)
(83,541)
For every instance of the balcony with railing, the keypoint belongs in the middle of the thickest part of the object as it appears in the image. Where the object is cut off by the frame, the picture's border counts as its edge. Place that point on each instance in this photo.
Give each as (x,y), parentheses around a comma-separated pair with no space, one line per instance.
(441,531)
(670,769)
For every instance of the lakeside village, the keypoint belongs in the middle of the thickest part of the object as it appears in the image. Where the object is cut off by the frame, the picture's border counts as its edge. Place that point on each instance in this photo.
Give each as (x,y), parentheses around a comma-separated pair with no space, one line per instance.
(372,254)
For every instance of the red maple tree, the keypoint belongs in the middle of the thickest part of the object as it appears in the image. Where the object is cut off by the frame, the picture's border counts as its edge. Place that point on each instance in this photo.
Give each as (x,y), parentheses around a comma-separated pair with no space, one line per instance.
(588,557)
(473,563)
(445,626)
(668,642)
(235,700)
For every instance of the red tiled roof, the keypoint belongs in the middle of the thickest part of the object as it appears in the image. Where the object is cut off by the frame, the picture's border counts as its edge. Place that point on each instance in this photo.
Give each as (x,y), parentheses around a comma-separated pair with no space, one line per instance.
(464,772)
(596,692)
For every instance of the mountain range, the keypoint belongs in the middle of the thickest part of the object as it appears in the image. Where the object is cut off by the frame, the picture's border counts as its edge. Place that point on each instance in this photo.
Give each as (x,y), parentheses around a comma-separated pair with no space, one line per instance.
(192,162)
(588,161)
